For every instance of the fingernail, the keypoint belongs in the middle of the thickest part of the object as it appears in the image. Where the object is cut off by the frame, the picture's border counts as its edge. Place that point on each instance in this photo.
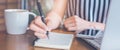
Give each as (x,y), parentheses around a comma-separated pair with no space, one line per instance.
(44,32)
(48,29)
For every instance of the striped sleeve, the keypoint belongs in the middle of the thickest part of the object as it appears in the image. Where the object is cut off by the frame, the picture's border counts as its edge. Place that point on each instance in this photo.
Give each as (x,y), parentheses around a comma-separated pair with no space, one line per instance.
(90,10)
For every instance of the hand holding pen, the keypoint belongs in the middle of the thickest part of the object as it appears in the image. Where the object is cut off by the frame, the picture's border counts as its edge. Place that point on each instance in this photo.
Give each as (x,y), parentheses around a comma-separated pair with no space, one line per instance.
(42,15)
(41,26)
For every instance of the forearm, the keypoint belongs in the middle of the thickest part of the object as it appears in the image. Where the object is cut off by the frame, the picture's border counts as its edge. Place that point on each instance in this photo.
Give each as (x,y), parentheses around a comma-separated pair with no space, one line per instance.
(97,26)
(59,7)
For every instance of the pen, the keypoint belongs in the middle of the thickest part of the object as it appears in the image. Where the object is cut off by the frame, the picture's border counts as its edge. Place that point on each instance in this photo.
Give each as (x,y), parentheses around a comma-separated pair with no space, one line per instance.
(41,15)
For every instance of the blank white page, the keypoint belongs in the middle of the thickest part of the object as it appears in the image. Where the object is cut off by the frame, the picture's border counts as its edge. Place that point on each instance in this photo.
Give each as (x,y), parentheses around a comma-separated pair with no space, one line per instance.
(56,40)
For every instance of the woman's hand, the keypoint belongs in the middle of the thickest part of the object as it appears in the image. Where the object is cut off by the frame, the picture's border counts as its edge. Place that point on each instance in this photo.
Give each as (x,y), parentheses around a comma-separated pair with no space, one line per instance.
(52,22)
(76,23)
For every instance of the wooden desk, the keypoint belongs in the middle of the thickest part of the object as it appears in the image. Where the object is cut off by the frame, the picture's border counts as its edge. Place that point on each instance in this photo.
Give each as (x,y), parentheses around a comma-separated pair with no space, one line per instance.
(25,42)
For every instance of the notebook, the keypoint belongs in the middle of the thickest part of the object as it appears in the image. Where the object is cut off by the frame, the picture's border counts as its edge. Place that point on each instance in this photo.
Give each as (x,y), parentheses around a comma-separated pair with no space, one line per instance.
(56,40)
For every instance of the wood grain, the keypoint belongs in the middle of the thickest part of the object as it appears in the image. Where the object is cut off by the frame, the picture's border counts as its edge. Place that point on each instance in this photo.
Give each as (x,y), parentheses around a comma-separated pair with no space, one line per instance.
(2,21)
(2,27)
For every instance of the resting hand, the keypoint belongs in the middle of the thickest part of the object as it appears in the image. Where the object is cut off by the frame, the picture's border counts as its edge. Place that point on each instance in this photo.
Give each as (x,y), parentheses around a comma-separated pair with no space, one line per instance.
(76,23)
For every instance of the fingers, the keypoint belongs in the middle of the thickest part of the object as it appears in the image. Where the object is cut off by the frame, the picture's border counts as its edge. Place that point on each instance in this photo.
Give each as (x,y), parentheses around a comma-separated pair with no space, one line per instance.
(70,22)
(52,22)
(72,28)
(40,23)
(36,28)
(49,24)
(39,27)
(78,31)
(75,23)
(40,35)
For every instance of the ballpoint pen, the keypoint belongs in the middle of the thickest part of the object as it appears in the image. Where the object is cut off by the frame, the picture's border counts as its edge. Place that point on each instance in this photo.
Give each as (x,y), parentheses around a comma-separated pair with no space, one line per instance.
(42,15)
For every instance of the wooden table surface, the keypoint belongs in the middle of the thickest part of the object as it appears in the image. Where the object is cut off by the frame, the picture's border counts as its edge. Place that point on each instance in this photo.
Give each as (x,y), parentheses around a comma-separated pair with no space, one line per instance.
(26,41)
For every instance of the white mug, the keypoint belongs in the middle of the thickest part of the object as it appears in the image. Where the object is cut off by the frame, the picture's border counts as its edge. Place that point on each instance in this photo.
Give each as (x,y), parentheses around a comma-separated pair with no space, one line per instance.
(16,20)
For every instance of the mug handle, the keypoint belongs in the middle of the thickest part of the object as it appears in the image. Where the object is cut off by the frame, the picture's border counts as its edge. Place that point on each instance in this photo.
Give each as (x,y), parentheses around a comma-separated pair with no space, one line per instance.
(32,14)
(29,16)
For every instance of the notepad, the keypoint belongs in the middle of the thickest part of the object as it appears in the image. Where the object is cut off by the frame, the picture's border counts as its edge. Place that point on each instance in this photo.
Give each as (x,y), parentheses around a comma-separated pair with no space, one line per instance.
(56,40)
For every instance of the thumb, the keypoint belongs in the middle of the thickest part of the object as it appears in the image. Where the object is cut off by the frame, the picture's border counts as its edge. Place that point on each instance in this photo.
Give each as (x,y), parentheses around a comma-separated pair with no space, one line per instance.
(48,23)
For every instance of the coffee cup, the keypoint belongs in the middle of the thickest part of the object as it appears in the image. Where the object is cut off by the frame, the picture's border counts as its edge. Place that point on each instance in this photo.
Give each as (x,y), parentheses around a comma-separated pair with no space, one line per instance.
(16,20)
